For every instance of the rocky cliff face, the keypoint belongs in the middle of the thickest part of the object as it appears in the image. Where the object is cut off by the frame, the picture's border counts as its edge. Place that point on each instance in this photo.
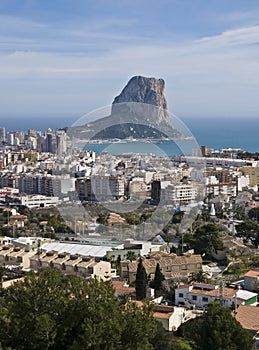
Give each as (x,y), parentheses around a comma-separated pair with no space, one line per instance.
(144,90)
(140,111)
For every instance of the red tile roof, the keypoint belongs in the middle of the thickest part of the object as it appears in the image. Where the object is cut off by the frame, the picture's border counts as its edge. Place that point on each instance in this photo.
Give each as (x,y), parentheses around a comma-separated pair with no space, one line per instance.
(253,273)
(120,288)
(248,317)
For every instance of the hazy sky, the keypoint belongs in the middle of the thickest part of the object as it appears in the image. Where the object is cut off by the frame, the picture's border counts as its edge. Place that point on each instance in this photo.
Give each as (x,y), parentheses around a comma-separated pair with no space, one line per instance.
(62,57)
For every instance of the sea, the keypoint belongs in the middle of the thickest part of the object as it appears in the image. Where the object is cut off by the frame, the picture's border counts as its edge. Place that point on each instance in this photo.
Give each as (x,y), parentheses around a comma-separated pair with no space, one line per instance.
(216,133)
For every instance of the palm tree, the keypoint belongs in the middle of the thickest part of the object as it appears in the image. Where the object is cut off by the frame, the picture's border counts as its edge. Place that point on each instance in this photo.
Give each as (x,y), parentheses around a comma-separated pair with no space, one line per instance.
(200,276)
(131,255)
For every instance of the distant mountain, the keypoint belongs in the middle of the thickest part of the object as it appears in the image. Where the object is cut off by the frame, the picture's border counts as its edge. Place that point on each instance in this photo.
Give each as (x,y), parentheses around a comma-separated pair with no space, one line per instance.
(139,111)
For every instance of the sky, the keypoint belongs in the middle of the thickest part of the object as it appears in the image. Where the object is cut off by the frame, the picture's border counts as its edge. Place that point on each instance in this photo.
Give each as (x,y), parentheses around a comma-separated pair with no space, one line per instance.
(66,58)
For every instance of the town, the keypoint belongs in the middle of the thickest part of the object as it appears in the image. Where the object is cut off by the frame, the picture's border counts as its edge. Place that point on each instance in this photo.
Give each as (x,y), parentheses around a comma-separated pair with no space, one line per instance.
(189,223)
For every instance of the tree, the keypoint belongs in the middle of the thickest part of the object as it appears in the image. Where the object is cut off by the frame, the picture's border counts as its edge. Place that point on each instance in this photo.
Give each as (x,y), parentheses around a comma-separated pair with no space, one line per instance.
(216,329)
(204,239)
(102,219)
(254,214)
(141,281)
(131,255)
(200,276)
(168,341)
(157,281)
(51,311)
(249,232)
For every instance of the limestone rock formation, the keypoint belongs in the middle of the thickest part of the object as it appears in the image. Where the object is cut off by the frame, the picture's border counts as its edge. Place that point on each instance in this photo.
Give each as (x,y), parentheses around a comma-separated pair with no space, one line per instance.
(144,90)
(139,111)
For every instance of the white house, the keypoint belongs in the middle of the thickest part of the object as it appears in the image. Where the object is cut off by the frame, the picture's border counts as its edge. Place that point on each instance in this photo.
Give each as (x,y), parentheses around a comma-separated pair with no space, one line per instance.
(200,294)
(171,317)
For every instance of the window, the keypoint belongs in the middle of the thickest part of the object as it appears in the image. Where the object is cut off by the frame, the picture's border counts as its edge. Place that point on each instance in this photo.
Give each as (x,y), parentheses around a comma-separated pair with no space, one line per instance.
(205,299)
(194,297)
(180,295)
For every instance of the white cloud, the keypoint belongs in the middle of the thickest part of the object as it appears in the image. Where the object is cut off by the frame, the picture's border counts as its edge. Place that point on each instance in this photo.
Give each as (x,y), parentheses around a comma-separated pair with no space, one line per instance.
(215,75)
(241,36)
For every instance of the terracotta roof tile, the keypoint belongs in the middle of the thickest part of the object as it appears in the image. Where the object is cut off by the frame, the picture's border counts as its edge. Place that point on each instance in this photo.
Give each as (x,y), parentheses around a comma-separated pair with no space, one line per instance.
(120,288)
(248,317)
(253,273)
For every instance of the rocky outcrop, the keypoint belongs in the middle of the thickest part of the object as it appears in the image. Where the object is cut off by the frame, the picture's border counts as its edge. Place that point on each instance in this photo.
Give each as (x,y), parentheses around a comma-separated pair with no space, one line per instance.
(144,90)
(139,111)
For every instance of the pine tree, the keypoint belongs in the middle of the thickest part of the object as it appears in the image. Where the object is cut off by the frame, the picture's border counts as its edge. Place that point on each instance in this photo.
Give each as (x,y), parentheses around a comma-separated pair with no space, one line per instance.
(52,311)
(141,281)
(216,329)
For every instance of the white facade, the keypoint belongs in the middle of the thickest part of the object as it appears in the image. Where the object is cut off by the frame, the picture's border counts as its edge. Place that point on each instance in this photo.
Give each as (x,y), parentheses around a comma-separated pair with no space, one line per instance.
(180,194)
(38,201)
(242,181)
(200,294)
(107,186)
(216,162)
(171,317)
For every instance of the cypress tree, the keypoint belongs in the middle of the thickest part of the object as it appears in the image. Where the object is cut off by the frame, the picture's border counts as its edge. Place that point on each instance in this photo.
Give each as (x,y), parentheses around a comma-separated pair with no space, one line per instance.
(159,278)
(141,281)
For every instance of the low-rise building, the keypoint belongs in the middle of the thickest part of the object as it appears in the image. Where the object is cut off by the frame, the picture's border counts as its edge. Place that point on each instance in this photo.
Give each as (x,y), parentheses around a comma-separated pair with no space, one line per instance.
(136,248)
(253,173)
(34,201)
(17,220)
(248,317)
(171,317)
(172,266)
(121,288)
(15,256)
(84,266)
(251,279)
(200,294)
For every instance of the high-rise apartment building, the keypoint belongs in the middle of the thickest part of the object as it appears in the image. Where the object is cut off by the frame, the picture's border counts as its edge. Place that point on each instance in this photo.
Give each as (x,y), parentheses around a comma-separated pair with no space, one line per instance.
(2,135)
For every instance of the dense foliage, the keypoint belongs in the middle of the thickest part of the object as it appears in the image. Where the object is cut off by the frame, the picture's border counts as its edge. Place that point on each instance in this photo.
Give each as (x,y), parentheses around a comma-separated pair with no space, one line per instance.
(217,329)
(249,232)
(204,239)
(53,311)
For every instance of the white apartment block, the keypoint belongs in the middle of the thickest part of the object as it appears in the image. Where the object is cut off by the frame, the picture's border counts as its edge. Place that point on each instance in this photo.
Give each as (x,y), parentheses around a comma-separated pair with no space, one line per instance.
(180,194)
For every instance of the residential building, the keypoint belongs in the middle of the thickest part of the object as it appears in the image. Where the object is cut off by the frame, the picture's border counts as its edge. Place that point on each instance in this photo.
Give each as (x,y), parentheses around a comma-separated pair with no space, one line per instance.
(100,187)
(122,288)
(84,266)
(251,279)
(200,294)
(216,189)
(2,135)
(253,173)
(171,317)
(15,256)
(17,220)
(248,317)
(172,266)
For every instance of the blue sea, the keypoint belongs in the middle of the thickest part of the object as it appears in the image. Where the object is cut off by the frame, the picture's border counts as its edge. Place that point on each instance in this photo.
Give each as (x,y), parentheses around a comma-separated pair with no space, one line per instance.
(216,133)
